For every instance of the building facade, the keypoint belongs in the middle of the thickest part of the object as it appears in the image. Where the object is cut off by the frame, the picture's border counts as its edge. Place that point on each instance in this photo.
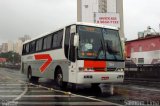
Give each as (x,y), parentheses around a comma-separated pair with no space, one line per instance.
(0,48)
(4,47)
(18,46)
(89,10)
(144,51)
(14,46)
(3,60)
(10,46)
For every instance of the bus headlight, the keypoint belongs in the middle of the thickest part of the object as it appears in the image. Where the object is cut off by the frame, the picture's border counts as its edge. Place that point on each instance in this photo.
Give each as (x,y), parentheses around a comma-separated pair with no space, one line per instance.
(120,69)
(86,69)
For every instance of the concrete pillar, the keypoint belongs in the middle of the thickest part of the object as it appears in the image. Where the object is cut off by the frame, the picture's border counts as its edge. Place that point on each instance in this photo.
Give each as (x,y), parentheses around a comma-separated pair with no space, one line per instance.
(120,11)
(79,11)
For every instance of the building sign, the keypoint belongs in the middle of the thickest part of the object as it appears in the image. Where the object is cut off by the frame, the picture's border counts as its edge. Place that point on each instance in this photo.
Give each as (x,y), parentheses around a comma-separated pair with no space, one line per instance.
(111,19)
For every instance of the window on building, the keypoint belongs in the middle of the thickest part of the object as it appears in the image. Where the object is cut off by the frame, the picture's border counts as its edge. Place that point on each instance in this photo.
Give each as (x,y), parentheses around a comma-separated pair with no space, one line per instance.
(132,50)
(47,42)
(140,48)
(140,60)
(39,44)
(57,39)
(86,6)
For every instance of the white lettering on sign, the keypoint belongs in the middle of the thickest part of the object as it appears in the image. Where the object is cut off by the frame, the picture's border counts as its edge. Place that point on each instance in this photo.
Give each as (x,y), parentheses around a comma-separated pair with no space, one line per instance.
(111,19)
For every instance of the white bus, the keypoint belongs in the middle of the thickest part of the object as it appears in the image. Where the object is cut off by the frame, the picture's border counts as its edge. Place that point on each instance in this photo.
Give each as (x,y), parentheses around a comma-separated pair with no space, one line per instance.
(80,53)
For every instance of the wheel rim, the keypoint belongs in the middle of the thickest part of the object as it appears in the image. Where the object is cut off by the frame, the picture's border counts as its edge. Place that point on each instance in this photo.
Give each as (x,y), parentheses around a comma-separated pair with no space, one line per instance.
(29,76)
(59,79)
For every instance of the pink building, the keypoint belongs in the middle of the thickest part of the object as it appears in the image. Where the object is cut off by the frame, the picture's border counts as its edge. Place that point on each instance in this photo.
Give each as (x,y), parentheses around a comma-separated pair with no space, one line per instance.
(144,50)
(2,60)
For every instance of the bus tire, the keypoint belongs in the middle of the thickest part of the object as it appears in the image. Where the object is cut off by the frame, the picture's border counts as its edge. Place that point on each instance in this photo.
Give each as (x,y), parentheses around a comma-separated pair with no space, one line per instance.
(30,77)
(95,85)
(59,79)
(74,87)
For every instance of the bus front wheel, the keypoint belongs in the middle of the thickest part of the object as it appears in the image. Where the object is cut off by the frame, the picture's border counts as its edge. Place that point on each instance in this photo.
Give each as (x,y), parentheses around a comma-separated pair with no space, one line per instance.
(30,77)
(95,85)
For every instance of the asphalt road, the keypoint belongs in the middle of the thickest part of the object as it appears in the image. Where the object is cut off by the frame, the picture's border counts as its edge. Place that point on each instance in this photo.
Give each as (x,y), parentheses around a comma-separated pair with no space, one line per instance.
(15,90)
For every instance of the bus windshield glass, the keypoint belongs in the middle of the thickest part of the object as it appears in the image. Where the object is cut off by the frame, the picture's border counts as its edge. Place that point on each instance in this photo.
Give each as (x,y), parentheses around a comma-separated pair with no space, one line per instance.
(99,44)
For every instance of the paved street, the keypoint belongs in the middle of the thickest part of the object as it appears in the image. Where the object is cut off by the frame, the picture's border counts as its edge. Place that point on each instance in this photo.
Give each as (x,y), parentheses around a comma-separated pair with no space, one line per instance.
(16,91)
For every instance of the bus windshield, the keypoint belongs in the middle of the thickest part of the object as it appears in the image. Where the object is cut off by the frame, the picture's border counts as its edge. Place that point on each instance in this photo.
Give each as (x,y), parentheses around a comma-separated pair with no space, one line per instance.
(99,44)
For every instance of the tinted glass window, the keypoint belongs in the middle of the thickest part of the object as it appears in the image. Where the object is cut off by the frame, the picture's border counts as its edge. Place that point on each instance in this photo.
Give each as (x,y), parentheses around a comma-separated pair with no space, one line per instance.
(99,43)
(32,46)
(57,39)
(72,48)
(66,42)
(47,42)
(24,50)
(39,44)
(27,48)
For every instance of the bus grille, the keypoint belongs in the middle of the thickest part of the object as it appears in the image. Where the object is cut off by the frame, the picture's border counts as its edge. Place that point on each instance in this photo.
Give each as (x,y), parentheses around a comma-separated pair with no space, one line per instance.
(100,69)
(111,69)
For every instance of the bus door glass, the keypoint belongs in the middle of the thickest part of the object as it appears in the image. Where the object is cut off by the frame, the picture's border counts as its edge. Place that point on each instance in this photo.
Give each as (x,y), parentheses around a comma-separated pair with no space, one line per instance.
(70,51)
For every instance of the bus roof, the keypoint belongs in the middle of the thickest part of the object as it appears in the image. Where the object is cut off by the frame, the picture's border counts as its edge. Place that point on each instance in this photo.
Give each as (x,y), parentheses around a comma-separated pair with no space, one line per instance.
(77,23)
(96,25)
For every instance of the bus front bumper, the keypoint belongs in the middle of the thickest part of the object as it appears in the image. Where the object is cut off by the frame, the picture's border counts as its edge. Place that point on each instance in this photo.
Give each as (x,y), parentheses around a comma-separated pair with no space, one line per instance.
(100,77)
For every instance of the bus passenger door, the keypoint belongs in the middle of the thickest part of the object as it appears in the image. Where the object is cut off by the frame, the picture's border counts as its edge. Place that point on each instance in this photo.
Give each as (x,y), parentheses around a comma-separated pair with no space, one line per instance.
(72,56)
(70,53)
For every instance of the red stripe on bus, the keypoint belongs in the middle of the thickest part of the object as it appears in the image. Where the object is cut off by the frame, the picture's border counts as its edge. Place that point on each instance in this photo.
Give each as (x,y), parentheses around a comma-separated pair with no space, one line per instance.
(95,64)
(46,57)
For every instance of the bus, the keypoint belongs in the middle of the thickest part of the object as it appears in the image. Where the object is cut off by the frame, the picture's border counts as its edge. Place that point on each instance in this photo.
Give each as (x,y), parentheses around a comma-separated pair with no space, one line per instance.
(80,53)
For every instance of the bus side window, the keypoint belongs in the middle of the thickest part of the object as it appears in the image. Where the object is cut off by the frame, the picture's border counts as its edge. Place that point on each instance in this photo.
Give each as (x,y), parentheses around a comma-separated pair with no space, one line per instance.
(24,50)
(27,48)
(57,40)
(32,47)
(47,42)
(39,44)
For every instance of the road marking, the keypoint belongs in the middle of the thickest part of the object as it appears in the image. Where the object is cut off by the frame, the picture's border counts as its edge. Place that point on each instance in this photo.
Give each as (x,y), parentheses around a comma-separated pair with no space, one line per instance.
(68,93)
(3,84)
(130,88)
(8,96)
(18,87)
(1,91)
(22,94)
(97,100)
(67,103)
(148,89)
(35,96)
(33,91)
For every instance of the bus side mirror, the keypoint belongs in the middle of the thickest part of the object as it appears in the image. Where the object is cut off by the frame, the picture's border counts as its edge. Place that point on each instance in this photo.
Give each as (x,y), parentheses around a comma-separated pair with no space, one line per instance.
(76,40)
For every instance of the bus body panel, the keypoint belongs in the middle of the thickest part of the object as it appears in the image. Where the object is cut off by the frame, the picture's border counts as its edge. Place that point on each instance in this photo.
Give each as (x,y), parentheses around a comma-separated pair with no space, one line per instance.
(108,74)
(100,77)
(71,70)
(68,68)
